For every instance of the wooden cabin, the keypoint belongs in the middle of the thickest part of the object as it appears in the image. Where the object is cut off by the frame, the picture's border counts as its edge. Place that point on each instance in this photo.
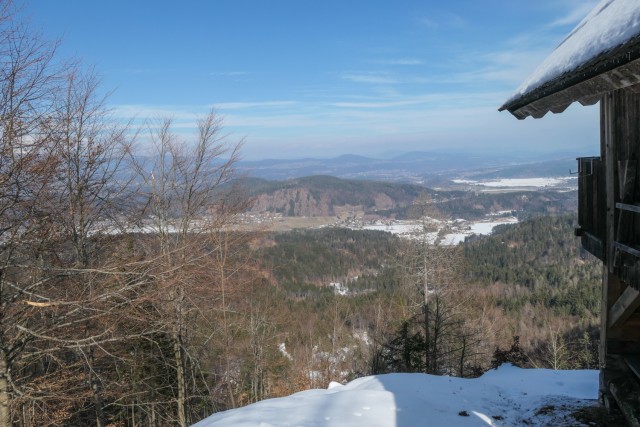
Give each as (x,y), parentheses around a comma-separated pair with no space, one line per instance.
(600,62)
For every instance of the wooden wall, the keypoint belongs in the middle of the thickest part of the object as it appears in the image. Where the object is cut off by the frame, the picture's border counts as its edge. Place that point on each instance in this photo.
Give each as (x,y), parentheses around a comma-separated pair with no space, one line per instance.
(620,319)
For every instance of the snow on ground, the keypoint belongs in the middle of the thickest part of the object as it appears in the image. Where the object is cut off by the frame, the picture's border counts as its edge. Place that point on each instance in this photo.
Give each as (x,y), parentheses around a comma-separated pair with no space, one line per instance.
(527,182)
(283,350)
(395,227)
(486,228)
(508,396)
(460,229)
(480,228)
(521,182)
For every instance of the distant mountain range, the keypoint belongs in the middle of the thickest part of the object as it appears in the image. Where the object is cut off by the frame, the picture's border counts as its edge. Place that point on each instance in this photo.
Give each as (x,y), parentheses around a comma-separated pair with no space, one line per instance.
(416,167)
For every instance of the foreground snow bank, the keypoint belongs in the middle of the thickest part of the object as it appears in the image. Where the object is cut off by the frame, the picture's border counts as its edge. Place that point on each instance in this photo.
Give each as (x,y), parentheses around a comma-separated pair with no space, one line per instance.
(504,397)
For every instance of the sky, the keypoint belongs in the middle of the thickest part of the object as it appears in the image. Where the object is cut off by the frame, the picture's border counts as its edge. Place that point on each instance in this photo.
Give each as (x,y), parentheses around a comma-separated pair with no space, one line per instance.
(297,78)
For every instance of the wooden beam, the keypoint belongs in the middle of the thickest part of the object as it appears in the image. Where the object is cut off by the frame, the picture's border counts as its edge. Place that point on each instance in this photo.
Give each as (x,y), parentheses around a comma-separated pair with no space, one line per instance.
(592,244)
(626,188)
(626,179)
(627,395)
(610,147)
(621,347)
(624,307)
(628,249)
(627,331)
(633,362)
(628,207)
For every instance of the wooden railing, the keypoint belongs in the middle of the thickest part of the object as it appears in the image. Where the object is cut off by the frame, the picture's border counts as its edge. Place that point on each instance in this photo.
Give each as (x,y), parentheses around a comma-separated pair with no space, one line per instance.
(591,205)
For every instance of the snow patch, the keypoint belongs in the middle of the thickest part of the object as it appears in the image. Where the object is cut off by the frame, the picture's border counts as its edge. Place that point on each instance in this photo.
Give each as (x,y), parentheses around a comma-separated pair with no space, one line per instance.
(283,350)
(549,182)
(507,396)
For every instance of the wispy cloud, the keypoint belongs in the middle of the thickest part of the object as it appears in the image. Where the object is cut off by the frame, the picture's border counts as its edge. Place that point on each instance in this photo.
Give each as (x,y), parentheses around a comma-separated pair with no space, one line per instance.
(370,77)
(443,20)
(230,73)
(190,112)
(247,105)
(144,112)
(427,101)
(578,10)
(400,61)
(505,67)
(381,104)
(428,23)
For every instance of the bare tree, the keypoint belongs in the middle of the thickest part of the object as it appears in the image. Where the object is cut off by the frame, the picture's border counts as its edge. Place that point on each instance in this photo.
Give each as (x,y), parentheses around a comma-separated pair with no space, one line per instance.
(28,77)
(189,214)
(82,290)
(91,148)
(432,274)
(93,193)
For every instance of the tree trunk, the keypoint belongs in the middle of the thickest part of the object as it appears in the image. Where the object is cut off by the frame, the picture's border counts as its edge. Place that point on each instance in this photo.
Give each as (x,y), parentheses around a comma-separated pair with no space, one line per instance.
(427,338)
(437,325)
(95,388)
(5,417)
(463,354)
(182,392)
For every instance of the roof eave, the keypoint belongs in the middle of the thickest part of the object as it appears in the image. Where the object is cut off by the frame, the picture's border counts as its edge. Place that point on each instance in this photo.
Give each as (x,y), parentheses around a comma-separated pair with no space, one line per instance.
(614,69)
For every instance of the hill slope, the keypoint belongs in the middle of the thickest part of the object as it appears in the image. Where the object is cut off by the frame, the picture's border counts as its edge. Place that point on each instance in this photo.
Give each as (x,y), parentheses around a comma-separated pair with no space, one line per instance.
(322,195)
(330,196)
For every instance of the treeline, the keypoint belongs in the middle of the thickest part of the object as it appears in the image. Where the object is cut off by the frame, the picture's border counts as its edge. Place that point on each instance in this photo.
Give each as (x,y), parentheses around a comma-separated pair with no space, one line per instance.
(543,256)
(529,280)
(328,255)
(523,204)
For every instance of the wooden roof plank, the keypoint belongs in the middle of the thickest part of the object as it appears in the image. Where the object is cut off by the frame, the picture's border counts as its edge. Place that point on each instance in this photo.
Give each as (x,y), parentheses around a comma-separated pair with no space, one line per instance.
(624,307)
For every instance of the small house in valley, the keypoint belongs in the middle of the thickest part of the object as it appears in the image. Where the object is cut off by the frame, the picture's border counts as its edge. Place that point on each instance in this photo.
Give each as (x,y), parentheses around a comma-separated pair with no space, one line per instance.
(599,61)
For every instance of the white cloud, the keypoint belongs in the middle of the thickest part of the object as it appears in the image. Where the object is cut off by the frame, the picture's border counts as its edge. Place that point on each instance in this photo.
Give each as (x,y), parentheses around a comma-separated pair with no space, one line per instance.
(450,20)
(247,105)
(508,67)
(229,73)
(400,61)
(429,23)
(371,77)
(579,10)
(387,104)
(143,112)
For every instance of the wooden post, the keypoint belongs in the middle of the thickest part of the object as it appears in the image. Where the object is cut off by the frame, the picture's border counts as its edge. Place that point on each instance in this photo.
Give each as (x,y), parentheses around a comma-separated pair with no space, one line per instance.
(620,151)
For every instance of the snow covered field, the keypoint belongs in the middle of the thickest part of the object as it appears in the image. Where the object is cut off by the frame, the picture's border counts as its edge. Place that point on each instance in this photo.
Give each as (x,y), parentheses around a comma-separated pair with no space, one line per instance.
(519,183)
(458,229)
(508,396)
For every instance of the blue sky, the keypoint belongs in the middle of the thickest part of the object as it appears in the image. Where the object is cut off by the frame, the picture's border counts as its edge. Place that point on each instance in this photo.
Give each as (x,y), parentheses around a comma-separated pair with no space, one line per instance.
(300,78)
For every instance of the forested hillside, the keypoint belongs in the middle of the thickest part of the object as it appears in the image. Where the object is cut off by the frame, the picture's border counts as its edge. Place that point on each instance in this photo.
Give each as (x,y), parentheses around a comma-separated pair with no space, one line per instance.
(330,196)
(543,256)
(529,280)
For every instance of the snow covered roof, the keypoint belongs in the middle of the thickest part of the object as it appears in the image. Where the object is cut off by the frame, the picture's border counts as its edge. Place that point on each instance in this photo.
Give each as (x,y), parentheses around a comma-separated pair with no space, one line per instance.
(600,55)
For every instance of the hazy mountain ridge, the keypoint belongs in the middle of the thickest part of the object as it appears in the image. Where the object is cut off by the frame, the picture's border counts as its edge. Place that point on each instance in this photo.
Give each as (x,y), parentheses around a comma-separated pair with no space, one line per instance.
(415,167)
